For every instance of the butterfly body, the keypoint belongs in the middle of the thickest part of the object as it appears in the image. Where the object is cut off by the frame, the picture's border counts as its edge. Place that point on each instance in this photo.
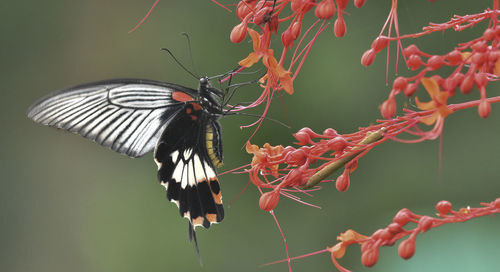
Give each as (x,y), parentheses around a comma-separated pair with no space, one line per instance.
(135,116)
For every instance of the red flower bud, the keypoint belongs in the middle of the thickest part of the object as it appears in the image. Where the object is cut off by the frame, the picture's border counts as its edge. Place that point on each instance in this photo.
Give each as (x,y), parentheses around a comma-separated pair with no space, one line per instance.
(295,29)
(479,58)
(342,182)
(443,207)
(382,234)
(425,223)
(402,217)
(388,108)
(341,4)
(479,46)
(325,9)
(339,27)
(302,6)
(439,80)
(399,83)
(467,84)
(239,32)
(359,3)
(414,62)
(297,157)
(368,57)
(380,43)
(489,34)
(260,15)
(287,38)
(411,50)
(394,228)
(484,108)
(370,257)
(410,89)
(244,8)
(406,249)
(435,62)
(330,133)
(269,200)
(454,57)
(480,79)
(337,144)
(496,203)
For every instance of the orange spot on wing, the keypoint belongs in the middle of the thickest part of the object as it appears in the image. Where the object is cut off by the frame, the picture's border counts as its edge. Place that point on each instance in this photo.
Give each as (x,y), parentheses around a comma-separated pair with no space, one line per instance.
(212,217)
(181,97)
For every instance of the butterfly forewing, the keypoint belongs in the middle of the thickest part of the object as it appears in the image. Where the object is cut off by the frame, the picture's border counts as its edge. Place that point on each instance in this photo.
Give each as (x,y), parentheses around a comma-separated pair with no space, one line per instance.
(127,116)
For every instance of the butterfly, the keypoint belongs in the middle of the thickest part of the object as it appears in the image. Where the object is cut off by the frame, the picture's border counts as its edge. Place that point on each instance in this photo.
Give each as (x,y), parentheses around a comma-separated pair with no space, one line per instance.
(135,117)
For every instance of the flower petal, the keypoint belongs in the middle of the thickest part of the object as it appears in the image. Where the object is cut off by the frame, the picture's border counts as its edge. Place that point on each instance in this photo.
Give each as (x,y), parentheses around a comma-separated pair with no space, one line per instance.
(250,60)
(255,39)
(429,120)
(425,105)
(431,87)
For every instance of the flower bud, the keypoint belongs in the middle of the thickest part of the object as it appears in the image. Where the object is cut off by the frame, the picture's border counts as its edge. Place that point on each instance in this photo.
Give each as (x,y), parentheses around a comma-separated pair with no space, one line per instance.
(414,62)
(399,83)
(411,50)
(388,108)
(467,84)
(239,32)
(402,217)
(330,133)
(244,8)
(341,4)
(339,27)
(337,144)
(479,46)
(368,57)
(410,89)
(480,79)
(484,108)
(380,43)
(425,223)
(489,34)
(394,228)
(443,207)
(454,57)
(269,200)
(260,15)
(359,3)
(342,182)
(325,9)
(370,257)
(406,249)
(435,62)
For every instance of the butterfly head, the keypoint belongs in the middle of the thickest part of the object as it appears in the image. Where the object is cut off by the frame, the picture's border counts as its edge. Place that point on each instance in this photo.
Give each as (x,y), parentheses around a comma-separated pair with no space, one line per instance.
(209,95)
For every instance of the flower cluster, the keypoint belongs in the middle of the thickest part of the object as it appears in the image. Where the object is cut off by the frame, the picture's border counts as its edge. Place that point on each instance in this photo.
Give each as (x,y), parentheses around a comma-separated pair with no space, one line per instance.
(261,20)
(395,231)
(398,230)
(297,169)
(475,63)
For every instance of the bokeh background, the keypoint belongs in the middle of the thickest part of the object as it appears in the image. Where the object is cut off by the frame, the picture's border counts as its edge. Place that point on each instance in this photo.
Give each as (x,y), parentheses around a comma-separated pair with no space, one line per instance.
(68,204)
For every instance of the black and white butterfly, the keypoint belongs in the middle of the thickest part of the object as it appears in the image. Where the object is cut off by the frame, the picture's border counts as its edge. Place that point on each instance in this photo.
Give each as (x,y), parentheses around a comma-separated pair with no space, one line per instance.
(135,116)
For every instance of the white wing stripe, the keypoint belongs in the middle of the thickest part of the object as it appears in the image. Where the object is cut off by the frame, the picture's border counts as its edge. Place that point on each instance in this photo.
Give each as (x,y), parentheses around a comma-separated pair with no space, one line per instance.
(127,116)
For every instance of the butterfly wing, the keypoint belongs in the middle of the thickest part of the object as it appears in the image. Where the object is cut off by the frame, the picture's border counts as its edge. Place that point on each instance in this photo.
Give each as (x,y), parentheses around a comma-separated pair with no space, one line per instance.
(186,169)
(126,115)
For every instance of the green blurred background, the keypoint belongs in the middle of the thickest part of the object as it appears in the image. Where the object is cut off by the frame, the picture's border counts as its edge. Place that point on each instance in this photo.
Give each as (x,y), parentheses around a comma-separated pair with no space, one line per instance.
(68,204)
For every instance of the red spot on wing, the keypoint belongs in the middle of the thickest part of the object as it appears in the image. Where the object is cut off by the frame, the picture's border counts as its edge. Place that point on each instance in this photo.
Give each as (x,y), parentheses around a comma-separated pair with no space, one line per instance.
(196,107)
(181,97)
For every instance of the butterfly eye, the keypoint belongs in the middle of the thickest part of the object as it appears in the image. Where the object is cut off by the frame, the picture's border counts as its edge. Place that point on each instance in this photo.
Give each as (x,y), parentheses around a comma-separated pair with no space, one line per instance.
(203,81)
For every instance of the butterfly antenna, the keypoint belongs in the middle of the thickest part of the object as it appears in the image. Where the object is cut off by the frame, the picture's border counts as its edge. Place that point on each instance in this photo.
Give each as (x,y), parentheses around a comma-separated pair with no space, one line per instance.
(192,238)
(259,116)
(179,63)
(188,39)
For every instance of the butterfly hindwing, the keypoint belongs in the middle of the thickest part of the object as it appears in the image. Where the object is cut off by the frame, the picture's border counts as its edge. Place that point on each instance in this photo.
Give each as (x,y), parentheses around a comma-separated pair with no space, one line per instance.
(126,115)
(186,169)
